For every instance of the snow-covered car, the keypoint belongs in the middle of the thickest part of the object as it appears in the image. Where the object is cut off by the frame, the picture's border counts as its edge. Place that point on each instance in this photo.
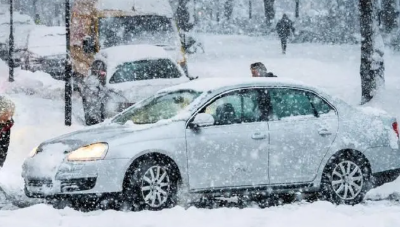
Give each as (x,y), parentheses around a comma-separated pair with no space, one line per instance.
(46,51)
(255,136)
(123,75)
(22,25)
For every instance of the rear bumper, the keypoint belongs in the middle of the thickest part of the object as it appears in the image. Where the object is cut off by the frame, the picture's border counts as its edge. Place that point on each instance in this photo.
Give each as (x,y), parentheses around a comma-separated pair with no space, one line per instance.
(385,177)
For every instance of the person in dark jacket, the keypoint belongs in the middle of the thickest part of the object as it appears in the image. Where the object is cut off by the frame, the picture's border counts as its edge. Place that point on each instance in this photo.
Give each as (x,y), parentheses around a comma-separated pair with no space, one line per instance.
(284,29)
(7,108)
(258,69)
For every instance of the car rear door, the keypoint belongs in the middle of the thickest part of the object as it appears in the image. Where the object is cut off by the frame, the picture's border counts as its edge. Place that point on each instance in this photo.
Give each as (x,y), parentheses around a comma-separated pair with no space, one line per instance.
(302,128)
(233,152)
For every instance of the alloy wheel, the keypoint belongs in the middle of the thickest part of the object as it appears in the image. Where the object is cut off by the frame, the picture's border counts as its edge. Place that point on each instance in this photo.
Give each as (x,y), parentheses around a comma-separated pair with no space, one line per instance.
(155,186)
(347,180)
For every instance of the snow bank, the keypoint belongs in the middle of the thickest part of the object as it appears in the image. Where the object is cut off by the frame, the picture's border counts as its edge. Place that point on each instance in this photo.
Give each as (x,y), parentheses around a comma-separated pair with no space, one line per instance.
(300,215)
(39,84)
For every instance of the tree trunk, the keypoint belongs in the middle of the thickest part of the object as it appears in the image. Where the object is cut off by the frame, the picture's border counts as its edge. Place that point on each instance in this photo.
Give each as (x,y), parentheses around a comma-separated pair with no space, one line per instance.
(228,9)
(297,11)
(269,11)
(250,10)
(372,65)
(388,15)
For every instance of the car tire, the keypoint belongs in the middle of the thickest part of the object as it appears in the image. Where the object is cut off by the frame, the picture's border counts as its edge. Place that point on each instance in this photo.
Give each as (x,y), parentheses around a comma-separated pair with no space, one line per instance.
(152,184)
(346,179)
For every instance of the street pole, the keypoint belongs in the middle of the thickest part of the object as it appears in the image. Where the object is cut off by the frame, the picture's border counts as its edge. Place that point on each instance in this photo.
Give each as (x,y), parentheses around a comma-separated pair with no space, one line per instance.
(11,45)
(68,68)
(297,11)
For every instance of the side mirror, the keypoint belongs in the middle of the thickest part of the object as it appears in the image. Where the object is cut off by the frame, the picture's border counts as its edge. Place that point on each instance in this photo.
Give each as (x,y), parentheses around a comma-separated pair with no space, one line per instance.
(202,120)
(89,45)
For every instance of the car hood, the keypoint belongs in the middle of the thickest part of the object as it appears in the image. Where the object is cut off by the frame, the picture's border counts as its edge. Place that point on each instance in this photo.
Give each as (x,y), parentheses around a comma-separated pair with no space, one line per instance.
(115,134)
(90,135)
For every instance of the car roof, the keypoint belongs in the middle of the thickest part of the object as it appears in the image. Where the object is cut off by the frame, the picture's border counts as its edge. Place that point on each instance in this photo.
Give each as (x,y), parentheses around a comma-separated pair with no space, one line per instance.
(138,7)
(130,53)
(213,84)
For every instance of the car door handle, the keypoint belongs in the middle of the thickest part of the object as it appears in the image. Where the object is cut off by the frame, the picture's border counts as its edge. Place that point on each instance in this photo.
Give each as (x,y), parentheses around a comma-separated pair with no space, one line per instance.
(259,136)
(324,132)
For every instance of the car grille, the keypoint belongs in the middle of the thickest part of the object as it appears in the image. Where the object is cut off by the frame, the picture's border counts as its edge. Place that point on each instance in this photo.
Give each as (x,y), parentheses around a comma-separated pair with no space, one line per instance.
(39,183)
(80,184)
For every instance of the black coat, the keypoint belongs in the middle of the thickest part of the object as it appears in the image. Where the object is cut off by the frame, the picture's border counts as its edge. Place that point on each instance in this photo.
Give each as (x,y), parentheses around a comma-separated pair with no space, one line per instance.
(284,27)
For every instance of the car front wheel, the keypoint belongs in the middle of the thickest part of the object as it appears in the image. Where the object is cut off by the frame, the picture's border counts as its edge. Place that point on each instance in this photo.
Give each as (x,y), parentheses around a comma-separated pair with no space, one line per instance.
(346,179)
(152,185)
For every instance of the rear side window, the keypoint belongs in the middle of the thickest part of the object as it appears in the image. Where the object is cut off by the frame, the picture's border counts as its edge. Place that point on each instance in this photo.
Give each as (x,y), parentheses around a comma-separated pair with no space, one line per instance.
(290,103)
(145,70)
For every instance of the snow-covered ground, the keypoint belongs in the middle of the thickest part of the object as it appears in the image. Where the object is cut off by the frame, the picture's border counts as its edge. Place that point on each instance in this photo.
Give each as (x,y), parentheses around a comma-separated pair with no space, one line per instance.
(40,114)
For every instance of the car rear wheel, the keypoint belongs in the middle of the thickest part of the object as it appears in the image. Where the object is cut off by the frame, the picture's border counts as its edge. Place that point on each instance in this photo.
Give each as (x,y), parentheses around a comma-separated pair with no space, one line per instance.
(152,185)
(346,179)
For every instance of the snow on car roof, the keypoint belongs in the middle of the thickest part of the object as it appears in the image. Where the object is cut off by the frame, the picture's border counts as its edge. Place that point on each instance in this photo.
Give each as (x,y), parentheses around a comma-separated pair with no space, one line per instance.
(211,84)
(130,53)
(157,7)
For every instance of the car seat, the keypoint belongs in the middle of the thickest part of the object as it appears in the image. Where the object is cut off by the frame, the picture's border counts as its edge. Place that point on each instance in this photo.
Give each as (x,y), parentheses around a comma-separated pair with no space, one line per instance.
(225,114)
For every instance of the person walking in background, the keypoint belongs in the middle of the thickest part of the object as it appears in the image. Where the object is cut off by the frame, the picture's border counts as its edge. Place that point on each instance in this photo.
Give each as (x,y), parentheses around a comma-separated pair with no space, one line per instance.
(284,29)
(7,108)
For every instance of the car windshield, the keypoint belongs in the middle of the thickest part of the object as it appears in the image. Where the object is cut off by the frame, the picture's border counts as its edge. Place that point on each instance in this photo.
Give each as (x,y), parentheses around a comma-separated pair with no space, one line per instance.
(145,70)
(161,107)
(117,31)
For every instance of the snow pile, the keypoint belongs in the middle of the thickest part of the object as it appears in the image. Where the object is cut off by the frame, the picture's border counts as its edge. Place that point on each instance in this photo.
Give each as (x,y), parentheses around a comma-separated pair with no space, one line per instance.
(38,83)
(301,215)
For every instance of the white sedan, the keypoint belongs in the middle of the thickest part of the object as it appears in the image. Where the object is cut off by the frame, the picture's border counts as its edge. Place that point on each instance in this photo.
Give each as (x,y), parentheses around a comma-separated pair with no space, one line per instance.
(253,136)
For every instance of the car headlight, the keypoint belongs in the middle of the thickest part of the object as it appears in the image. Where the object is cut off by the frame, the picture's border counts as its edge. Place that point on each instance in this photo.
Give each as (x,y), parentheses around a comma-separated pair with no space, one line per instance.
(33,152)
(92,152)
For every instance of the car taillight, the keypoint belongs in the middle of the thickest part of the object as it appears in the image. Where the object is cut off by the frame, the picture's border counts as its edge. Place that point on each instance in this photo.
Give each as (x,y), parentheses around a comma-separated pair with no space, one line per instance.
(395,126)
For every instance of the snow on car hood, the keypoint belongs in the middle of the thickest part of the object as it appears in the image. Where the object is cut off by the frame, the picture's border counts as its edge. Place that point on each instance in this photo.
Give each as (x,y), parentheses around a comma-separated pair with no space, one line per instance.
(90,135)
(138,90)
(48,51)
(116,134)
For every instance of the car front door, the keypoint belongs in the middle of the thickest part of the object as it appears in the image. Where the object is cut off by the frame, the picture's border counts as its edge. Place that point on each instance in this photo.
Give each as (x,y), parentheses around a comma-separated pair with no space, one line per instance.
(234,151)
(302,128)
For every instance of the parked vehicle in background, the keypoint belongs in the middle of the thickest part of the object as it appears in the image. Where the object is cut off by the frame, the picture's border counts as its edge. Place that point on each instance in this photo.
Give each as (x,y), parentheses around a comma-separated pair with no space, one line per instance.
(100,24)
(219,137)
(46,51)
(22,25)
(21,35)
(122,75)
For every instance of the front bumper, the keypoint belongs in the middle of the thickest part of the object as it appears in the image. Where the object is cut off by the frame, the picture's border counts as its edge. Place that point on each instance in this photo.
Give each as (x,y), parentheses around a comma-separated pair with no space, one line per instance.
(76,178)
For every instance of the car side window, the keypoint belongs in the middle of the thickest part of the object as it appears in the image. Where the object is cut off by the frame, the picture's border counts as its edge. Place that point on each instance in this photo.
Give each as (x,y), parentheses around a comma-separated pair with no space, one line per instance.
(235,108)
(321,107)
(290,103)
(226,110)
